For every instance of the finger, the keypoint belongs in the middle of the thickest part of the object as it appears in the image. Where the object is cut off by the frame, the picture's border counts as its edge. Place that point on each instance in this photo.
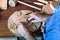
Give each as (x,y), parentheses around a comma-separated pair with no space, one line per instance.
(21,29)
(20,24)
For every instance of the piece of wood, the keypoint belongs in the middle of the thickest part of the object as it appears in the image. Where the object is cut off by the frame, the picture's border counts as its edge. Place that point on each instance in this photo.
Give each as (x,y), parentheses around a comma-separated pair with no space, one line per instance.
(3,4)
(29,5)
(21,16)
(4,31)
(43,1)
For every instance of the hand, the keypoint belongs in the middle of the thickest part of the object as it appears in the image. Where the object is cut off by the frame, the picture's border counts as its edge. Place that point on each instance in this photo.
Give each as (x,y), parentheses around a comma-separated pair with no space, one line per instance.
(23,31)
(34,18)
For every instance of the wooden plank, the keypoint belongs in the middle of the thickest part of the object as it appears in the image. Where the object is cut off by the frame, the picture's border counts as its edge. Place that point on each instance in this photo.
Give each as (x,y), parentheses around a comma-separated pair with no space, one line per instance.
(3,4)
(4,31)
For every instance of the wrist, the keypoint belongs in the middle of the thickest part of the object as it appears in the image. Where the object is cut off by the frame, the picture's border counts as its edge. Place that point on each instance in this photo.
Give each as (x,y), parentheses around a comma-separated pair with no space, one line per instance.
(44,17)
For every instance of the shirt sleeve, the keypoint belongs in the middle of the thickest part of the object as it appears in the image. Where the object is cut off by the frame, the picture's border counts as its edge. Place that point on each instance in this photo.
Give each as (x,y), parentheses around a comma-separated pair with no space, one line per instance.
(53,27)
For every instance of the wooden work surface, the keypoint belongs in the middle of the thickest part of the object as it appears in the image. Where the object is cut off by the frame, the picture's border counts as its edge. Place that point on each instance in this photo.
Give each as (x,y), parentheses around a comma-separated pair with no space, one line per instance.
(4,15)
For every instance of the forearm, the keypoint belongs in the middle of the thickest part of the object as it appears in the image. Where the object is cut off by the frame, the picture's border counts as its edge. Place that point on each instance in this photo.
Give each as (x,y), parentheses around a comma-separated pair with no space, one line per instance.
(25,33)
(28,36)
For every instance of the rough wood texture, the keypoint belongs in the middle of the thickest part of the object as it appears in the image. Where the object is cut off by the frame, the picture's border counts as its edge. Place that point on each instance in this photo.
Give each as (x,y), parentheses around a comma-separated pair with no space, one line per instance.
(4,31)
(4,15)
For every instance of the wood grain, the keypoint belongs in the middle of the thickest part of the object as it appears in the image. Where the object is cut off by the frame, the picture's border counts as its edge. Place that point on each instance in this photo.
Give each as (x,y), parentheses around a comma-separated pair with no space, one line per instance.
(4,15)
(4,31)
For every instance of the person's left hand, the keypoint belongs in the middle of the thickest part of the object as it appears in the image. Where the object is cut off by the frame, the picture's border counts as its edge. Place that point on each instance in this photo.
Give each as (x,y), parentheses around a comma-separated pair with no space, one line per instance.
(21,29)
